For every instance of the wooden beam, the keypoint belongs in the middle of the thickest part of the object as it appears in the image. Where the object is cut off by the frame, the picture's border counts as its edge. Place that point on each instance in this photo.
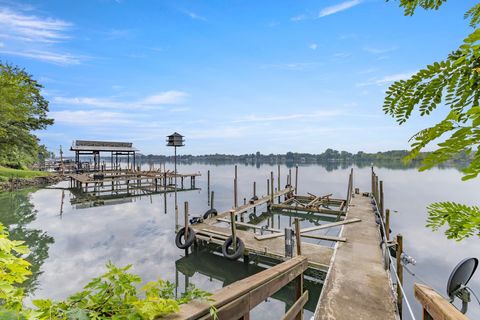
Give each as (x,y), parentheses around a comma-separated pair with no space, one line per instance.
(315,210)
(297,307)
(436,305)
(249,292)
(329,238)
(323,226)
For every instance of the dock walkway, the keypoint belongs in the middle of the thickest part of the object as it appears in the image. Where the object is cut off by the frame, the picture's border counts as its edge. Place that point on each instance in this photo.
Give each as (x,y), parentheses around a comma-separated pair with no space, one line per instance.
(357,285)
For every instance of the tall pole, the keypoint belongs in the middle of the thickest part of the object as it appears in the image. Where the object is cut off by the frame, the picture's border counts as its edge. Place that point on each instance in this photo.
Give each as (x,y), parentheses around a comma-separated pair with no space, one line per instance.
(175,187)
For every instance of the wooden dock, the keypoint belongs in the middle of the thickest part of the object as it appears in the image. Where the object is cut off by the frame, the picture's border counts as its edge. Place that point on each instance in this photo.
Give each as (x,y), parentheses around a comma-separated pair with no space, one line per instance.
(153,180)
(357,284)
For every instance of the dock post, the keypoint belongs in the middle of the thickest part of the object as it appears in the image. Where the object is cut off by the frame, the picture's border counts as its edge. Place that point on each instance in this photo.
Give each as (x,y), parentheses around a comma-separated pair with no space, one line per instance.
(208,187)
(387,224)
(254,194)
(289,243)
(297,237)
(399,273)
(268,187)
(382,213)
(373,185)
(235,199)
(211,199)
(234,229)
(271,187)
(278,183)
(377,198)
(186,219)
(296,179)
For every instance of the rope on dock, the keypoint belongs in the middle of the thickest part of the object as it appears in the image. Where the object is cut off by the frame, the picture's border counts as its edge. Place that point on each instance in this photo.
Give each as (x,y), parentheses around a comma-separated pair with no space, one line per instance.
(390,258)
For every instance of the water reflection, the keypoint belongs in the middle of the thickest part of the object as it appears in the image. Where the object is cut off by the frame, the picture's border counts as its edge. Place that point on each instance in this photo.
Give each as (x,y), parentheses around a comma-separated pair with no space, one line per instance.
(16,212)
(208,263)
(139,232)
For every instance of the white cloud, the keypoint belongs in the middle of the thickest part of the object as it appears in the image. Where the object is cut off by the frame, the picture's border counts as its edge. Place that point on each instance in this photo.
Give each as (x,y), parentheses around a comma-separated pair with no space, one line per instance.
(159,99)
(30,36)
(31,28)
(299,17)
(337,8)
(379,50)
(387,79)
(90,117)
(294,116)
(313,46)
(48,56)
(195,16)
(291,66)
(168,97)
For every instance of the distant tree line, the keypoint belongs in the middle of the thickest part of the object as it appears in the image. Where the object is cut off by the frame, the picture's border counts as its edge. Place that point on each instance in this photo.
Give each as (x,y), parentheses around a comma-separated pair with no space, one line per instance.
(329,155)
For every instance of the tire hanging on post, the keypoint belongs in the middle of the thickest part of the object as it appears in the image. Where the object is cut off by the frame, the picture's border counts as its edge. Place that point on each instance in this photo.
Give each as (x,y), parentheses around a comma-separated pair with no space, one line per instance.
(185,243)
(238,253)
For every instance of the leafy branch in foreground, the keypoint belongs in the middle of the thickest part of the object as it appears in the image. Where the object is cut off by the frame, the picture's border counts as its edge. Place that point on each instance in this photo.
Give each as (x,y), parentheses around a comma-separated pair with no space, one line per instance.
(463,221)
(452,83)
(113,295)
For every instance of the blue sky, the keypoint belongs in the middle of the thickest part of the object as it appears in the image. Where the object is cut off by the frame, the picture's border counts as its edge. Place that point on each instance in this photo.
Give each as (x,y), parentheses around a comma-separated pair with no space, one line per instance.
(232,76)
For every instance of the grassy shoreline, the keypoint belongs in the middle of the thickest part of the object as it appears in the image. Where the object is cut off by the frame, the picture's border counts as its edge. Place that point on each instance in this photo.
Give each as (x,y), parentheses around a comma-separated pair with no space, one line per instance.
(7,173)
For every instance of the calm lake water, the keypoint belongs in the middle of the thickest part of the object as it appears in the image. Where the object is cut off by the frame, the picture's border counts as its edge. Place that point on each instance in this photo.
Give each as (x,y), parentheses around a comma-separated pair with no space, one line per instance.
(70,248)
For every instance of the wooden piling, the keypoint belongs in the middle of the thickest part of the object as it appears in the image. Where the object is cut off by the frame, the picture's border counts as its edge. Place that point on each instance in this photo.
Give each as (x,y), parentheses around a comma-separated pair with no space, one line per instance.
(186,219)
(268,187)
(278,182)
(296,179)
(254,189)
(235,199)
(208,187)
(387,224)
(399,273)
(271,187)
(382,213)
(234,229)
(298,239)
(211,199)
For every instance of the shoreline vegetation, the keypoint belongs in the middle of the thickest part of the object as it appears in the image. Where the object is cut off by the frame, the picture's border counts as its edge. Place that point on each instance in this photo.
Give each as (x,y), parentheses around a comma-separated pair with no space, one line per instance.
(14,179)
(330,155)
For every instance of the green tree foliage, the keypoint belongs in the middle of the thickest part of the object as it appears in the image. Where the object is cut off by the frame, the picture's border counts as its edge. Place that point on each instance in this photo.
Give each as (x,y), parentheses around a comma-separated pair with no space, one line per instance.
(453,84)
(113,295)
(23,109)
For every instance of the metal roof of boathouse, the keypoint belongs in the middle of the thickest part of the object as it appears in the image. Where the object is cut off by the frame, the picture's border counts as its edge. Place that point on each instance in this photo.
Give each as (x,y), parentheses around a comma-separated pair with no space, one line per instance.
(106,146)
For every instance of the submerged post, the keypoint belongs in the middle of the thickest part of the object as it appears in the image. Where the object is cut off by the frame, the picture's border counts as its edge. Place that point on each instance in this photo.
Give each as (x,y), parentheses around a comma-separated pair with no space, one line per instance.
(399,273)
(234,229)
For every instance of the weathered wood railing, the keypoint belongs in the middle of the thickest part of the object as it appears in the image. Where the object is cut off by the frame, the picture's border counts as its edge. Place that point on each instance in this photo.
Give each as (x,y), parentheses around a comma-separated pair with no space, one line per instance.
(236,300)
(435,306)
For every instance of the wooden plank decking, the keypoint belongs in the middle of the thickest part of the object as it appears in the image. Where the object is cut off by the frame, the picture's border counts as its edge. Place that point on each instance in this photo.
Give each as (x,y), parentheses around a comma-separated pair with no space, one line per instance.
(318,256)
(357,285)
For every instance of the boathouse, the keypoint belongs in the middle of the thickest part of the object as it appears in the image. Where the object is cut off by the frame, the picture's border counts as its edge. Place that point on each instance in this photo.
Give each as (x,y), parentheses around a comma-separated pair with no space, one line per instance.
(95,148)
